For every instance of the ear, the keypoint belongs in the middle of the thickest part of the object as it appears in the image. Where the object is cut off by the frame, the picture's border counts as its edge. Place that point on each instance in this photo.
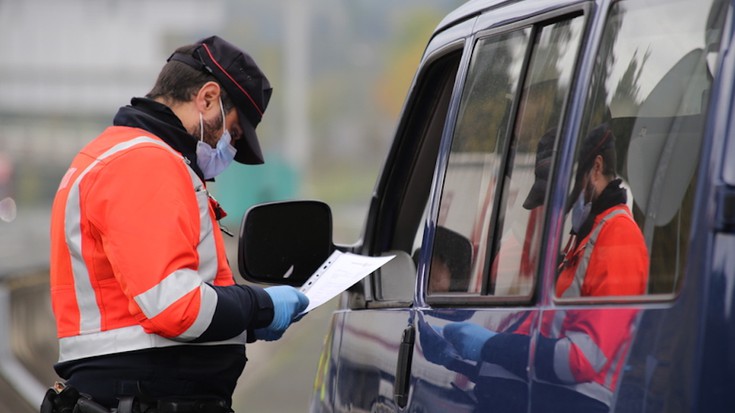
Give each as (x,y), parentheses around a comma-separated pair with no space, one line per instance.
(598,166)
(207,98)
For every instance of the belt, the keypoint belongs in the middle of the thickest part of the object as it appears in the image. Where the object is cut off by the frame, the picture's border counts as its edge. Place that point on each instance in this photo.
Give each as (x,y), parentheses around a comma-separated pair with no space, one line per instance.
(133,405)
(61,398)
(195,406)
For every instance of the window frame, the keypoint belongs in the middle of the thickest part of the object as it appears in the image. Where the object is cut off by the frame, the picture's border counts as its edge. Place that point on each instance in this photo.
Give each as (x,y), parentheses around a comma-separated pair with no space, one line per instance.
(460,299)
(561,176)
(395,203)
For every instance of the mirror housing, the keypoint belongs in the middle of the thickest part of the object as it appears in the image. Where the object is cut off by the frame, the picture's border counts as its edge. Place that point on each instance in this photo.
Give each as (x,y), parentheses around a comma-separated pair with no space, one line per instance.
(284,242)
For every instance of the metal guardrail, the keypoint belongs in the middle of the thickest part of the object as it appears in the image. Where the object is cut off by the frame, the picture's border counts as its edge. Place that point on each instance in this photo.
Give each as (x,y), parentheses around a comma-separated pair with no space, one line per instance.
(24,249)
(11,369)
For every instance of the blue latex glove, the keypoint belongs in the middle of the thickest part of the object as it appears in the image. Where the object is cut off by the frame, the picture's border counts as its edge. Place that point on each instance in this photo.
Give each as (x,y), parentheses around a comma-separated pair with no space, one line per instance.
(468,339)
(435,347)
(288,303)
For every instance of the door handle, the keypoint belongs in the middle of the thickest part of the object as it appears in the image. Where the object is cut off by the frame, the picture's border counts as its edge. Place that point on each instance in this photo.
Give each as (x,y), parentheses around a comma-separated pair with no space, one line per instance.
(403,367)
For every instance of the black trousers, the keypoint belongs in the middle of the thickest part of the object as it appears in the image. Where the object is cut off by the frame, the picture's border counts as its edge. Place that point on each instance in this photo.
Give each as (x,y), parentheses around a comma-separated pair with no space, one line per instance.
(509,396)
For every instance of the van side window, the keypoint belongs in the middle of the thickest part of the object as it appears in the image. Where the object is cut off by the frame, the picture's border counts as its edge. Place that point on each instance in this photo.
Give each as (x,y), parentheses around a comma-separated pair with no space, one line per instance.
(495,183)
(408,189)
(631,191)
(473,169)
(520,218)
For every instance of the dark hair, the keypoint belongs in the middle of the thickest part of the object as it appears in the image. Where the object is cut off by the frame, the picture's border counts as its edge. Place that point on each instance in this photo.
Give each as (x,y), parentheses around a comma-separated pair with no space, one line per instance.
(179,82)
(609,158)
(599,141)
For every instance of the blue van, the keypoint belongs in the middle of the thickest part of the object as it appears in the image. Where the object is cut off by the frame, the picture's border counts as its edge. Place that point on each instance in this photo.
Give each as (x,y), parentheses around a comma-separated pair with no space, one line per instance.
(560,200)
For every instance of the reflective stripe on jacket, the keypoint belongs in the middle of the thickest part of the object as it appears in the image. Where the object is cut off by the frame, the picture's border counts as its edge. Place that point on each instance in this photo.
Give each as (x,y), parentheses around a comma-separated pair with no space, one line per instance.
(611,261)
(582,350)
(591,344)
(135,249)
(585,350)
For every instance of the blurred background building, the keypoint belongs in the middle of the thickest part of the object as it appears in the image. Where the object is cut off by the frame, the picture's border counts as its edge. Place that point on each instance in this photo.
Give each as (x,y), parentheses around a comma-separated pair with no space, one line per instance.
(340,71)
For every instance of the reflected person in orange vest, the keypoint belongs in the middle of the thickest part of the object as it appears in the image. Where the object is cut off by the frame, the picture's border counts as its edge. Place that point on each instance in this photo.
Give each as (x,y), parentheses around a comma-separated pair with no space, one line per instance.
(147,310)
(579,353)
(606,253)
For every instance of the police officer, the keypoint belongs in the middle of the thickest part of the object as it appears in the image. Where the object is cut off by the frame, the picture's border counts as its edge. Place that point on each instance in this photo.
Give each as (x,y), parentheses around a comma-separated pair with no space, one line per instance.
(147,310)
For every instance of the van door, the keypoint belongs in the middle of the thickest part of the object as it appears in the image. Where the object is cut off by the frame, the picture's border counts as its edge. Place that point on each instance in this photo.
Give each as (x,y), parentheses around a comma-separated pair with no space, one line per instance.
(370,348)
(621,330)
(480,277)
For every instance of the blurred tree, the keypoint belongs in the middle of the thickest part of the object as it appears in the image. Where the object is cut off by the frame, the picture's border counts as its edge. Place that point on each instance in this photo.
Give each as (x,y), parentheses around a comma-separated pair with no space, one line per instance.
(403,56)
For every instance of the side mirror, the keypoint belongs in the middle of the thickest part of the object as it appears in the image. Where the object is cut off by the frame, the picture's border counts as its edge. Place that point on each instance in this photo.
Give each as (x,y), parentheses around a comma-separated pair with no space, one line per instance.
(284,242)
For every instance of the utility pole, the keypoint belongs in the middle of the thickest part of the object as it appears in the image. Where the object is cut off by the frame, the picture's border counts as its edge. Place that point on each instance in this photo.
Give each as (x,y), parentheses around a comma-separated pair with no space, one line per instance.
(296,70)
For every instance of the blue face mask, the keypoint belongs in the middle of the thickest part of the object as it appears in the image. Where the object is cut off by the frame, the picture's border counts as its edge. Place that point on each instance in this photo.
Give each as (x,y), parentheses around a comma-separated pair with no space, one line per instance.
(212,161)
(580,212)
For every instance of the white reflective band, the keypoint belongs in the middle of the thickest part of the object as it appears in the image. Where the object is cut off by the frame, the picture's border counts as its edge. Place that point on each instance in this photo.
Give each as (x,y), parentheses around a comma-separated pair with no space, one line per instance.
(590,389)
(563,351)
(206,249)
(206,313)
(575,289)
(558,323)
(89,313)
(121,340)
(617,359)
(562,367)
(498,371)
(589,348)
(169,290)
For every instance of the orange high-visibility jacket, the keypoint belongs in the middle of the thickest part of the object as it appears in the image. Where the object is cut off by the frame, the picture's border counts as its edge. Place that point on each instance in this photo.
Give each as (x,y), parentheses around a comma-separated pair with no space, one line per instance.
(612,260)
(137,257)
(583,350)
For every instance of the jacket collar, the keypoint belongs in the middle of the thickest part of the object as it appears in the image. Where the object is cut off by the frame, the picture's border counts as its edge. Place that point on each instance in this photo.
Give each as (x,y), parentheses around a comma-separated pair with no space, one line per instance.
(612,195)
(160,120)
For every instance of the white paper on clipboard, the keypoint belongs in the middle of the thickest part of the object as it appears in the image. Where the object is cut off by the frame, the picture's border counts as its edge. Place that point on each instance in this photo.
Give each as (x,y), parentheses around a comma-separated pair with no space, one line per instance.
(339,272)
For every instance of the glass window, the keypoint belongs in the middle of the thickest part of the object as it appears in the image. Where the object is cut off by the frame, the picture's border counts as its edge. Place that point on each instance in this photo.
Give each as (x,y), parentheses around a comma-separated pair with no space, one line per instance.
(408,191)
(631,193)
(529,163)
(491,211)
(474,161)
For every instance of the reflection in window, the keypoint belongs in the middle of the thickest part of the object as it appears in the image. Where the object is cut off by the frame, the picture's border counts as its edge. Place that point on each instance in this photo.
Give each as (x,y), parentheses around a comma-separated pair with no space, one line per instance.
(476,154)
(488,155)
(650,89)
(529,163)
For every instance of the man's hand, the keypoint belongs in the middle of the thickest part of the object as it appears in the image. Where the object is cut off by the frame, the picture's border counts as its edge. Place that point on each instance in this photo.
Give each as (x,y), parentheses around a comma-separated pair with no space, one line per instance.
(288,303)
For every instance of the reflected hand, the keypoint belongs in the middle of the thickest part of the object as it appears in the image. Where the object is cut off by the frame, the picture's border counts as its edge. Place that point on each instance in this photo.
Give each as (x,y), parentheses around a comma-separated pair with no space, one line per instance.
(436,348)
(468,339)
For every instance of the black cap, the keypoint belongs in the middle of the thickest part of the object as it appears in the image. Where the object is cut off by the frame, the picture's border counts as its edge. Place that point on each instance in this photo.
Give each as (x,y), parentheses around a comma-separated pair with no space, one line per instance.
(246,85)
(544,152)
